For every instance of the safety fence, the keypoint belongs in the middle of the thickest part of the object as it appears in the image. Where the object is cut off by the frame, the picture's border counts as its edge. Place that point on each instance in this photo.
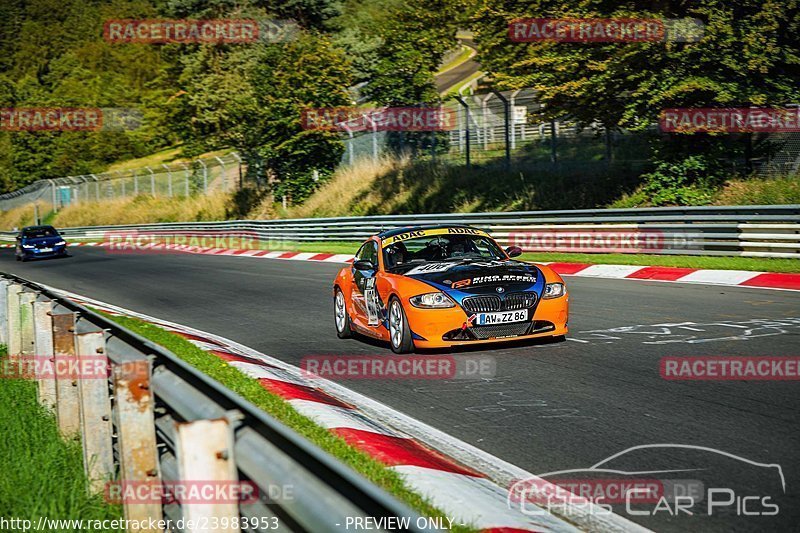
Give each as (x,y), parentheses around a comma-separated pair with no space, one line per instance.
(182,179)
(759,231)
(152,420)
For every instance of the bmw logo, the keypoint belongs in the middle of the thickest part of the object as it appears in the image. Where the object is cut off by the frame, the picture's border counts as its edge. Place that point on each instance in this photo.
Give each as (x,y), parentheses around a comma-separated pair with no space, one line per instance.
(500,289)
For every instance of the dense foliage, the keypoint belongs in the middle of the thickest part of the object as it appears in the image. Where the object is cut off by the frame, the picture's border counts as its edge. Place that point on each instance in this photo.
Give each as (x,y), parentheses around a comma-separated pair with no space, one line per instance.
(250,96)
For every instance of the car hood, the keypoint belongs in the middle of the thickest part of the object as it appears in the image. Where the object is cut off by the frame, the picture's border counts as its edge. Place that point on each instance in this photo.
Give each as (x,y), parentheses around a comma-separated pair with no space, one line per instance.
(460,279)
(42,240)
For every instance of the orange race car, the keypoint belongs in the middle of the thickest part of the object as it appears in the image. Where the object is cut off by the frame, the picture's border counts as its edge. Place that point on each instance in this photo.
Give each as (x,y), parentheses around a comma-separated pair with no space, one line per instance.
(440,286)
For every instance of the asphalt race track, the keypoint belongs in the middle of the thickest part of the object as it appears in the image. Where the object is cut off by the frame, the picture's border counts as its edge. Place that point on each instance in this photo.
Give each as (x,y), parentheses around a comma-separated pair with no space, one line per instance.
(551,406)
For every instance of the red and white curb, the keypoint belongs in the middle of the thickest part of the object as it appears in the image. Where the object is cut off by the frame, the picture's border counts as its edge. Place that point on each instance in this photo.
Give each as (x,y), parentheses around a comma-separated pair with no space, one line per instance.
(470,495)
(738,278)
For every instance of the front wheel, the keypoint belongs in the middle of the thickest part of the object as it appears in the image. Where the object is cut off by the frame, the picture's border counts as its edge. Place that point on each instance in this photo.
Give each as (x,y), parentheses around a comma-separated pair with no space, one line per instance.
(399,330)
(341,318)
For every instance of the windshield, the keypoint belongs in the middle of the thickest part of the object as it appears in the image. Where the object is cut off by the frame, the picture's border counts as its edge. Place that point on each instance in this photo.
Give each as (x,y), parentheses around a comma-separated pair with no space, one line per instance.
(37,233)
(440,248)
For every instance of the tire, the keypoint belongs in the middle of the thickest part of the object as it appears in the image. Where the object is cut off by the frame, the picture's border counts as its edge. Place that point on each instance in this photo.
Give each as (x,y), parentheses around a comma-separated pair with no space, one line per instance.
(341,321)
(399,330)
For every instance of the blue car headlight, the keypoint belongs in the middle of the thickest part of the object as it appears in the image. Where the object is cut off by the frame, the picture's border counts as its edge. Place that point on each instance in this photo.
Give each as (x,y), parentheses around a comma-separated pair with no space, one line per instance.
(28,246)
(61,243)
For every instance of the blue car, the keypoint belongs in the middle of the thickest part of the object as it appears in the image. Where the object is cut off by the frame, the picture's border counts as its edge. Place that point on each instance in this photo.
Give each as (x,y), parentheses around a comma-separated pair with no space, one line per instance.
(39,241)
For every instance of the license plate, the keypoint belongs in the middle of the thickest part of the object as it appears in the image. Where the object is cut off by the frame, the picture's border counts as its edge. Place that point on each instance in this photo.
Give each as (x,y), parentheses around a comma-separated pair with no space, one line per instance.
(45,249)
(504,317)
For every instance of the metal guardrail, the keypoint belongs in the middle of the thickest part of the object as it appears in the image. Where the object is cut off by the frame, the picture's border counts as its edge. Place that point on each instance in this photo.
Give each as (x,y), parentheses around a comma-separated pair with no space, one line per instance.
(158,420)
(761,231)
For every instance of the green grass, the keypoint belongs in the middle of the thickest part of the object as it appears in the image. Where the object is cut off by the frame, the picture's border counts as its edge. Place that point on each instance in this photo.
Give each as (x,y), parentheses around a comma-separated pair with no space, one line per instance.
(42,474)
(251,390)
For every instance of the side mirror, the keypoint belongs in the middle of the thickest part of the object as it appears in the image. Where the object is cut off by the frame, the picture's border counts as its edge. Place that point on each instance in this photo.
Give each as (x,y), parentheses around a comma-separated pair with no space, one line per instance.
(363,264)
(18,237)
(514,251)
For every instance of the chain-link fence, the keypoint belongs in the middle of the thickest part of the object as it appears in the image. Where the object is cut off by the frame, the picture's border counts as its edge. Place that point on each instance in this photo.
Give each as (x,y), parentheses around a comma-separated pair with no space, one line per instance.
(503,127)
(507,126)
(199,176)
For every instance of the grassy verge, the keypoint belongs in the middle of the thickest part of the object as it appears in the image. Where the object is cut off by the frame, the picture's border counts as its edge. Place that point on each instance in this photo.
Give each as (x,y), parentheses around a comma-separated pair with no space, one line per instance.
(251,390)
(42,474)
(145,209)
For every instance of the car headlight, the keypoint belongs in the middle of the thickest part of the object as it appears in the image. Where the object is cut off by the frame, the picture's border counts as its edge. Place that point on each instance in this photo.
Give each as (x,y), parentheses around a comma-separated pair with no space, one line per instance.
(553,290)
(61,243)
(432,300)
(27,246)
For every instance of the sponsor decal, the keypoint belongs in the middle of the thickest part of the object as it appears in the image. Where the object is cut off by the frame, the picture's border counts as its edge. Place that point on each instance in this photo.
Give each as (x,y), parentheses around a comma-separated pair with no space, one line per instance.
(502,278)
(432,232)
(431,268)
(730,120)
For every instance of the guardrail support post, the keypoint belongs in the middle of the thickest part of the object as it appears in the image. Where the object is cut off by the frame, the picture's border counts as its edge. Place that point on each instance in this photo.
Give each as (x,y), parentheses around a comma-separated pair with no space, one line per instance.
(4,311)
(14,344)
(138,455)
(98,455)
(205,454)
(26,299)
(67,406)
(43,342)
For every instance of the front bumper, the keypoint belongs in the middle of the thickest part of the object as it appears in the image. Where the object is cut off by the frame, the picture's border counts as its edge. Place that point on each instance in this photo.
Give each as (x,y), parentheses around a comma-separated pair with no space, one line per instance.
(35,253)
(434,328)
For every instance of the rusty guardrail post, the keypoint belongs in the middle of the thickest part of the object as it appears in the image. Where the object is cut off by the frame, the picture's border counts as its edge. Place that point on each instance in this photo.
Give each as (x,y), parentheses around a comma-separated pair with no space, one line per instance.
(95,404)
(26,345)
(43,348)
(4,311)
(205,454)
(12,313)
(67,405)
(135,424)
